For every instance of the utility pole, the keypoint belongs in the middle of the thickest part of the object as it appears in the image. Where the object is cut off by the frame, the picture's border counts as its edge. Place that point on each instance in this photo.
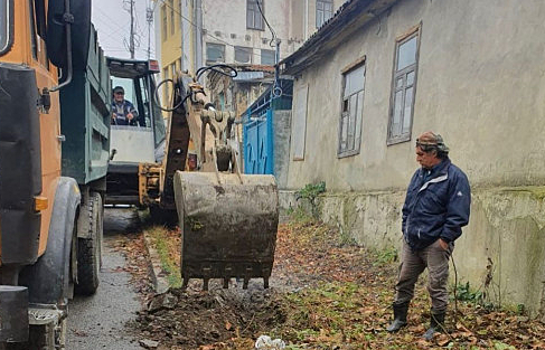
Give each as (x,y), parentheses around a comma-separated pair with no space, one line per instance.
(131,42)
(277,89)
(149,19)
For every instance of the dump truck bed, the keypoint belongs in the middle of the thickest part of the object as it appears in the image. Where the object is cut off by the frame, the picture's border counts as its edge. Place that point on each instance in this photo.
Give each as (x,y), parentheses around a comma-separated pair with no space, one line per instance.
(85,107)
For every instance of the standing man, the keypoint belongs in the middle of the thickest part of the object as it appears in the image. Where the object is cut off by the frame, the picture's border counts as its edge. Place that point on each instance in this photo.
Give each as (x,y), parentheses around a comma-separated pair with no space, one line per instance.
(123,111)
(435,210)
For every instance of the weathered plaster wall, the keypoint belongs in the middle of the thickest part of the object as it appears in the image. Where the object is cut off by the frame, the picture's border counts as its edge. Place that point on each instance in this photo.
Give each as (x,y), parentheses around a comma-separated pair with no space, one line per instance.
(282,142)
(481,84)
(223,19)
(504,241)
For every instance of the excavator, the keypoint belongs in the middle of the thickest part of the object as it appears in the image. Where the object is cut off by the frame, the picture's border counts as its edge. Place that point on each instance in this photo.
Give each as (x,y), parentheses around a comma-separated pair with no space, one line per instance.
(228,220)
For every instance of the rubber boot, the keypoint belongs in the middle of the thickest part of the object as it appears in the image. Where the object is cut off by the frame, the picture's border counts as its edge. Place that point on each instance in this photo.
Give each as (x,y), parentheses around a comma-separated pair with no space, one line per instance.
(400,317)
(437,324)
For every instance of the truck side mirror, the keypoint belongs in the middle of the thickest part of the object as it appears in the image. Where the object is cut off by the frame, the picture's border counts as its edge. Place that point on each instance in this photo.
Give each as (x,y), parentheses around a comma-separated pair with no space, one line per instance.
(79,18)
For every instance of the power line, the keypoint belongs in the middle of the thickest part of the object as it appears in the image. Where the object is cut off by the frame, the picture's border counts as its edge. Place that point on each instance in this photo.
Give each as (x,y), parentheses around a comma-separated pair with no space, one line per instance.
(149,19)
(131,40)
(122,27)
(266,22)
(117,33)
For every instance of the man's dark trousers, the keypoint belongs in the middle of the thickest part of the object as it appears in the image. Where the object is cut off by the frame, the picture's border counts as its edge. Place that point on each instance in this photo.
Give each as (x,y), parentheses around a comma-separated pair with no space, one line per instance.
(436,259)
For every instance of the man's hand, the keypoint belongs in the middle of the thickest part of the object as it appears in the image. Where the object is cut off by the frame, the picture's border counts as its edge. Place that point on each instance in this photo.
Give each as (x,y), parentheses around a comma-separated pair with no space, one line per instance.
(443,244)
(130,116)
(113,116)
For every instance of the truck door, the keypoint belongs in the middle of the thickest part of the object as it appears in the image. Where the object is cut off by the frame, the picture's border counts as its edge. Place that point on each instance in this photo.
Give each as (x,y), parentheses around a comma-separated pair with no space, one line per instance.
(46,77)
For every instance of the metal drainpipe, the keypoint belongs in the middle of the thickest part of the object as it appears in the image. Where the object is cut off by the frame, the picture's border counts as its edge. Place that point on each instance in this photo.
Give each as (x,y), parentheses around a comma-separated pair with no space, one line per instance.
(182,64)
(198,36)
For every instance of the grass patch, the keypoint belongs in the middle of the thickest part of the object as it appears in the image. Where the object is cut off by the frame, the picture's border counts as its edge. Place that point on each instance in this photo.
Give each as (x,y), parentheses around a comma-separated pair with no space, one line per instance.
(167,244)
(385,256)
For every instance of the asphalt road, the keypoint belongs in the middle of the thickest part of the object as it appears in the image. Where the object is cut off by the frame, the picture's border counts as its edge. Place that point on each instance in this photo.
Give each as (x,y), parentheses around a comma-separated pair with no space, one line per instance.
(98,322)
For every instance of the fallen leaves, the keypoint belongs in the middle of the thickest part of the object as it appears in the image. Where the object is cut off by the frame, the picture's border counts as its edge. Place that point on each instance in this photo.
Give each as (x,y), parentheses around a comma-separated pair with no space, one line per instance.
(326,294)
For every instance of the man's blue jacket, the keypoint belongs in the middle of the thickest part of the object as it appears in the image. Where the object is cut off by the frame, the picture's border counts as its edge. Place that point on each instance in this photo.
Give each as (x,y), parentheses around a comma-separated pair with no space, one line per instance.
(121,110)
(437,205)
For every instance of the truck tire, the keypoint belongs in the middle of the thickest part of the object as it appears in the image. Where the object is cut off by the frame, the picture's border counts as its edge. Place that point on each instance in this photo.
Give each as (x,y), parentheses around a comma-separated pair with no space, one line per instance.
(45,337)
(89,250)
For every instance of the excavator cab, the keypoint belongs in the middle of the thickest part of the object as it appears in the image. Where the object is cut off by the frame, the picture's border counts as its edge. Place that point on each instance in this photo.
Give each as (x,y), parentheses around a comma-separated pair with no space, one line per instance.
(143,140)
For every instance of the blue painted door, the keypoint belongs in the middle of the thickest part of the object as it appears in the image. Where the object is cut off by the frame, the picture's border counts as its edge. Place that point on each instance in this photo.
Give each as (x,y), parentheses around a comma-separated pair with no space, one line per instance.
(258,145)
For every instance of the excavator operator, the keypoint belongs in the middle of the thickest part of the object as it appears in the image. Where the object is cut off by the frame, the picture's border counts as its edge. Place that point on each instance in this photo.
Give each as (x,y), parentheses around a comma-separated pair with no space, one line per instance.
(123,111)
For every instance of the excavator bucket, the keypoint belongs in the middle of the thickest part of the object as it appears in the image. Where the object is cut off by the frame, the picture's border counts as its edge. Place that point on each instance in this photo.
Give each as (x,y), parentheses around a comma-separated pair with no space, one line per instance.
(228,223)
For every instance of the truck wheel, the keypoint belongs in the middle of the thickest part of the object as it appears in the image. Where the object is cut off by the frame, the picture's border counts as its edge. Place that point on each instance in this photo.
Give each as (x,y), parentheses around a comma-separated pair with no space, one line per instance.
(90,249)
(44,337)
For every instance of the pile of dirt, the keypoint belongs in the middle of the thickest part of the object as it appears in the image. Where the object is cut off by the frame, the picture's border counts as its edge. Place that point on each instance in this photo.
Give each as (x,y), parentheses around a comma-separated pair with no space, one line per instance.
(188,319)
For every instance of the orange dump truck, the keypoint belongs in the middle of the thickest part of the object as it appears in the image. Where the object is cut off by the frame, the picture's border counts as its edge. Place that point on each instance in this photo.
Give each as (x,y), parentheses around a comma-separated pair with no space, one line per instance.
(44,214)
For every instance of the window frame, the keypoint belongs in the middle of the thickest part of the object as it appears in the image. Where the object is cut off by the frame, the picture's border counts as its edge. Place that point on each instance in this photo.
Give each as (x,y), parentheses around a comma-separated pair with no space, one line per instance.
(300,105)
(171,19)
(250,51)
(415,32)
(178,7)
(359,63)
(164,26)
(330,2)
(9,28)
(268,52)
(251,6)
(218,45)
(38,32)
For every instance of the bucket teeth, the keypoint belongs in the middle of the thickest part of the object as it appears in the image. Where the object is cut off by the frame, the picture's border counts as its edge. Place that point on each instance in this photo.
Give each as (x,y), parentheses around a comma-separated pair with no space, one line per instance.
(243,272)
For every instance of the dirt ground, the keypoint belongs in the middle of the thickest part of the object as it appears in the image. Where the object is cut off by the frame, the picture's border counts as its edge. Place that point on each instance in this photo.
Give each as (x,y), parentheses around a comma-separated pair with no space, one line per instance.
(326,293)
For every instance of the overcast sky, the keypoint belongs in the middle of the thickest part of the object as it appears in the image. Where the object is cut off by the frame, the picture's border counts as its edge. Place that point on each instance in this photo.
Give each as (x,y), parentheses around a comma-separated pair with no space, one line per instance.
(113,24)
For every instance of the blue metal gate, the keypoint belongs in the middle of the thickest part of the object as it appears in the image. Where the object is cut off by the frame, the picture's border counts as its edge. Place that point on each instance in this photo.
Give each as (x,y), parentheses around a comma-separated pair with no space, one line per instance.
(259,153)
(258,142)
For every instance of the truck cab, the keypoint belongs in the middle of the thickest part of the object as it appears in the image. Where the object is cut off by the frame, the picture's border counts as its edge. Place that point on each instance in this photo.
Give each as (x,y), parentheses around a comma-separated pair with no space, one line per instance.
(142,142)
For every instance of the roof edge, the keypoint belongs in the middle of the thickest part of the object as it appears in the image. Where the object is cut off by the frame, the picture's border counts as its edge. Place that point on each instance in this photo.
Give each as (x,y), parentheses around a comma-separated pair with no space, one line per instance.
(362,11)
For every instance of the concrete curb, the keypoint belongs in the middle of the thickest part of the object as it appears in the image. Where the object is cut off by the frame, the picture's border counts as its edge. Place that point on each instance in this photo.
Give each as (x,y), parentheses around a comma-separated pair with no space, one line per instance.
(160,283)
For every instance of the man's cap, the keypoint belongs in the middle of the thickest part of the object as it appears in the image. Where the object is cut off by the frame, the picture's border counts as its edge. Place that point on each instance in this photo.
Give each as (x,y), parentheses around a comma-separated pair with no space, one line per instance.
(119,89)
(429,138)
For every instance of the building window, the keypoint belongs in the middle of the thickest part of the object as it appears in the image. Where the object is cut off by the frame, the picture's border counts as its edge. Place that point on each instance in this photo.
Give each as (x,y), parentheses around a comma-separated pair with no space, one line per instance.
(352,111)
(172,17)
(215,53)
(243,54)
(254,19)
(324,11)
(403,89)
(267,57)
(179,22)
(5,25)
(164,23)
